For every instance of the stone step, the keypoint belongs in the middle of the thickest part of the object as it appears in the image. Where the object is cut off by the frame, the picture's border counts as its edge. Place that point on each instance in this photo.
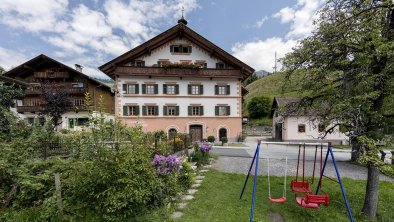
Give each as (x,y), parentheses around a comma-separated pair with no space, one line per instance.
(200,177)
(196,185)
(203,171)
(187,197)
(177,214)
(182,205)
(198,181)
(192,191)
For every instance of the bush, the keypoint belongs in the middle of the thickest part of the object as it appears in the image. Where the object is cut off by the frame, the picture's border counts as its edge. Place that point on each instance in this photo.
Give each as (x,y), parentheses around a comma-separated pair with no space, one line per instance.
(186,178)
(259,107)
(201,153)
(211,139)
(224,140)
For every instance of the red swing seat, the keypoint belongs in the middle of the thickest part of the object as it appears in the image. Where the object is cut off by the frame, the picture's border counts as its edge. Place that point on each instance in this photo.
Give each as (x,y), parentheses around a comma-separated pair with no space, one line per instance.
(300,186)
(277,200)
(313,200)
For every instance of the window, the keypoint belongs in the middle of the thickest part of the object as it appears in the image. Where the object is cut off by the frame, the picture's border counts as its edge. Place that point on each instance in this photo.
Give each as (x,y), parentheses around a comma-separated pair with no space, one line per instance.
(172,133)
(77,85)
(201,64)
(196,110)
(79,102)
(221,65)
(322,128)
(170,89)
(222,110)
(301,128)
(150,89)
(130,89)
(150,110)
(139,63)
(131,110)
(171,110)
(30,120)
(181,49)
(195,89)
(222,89)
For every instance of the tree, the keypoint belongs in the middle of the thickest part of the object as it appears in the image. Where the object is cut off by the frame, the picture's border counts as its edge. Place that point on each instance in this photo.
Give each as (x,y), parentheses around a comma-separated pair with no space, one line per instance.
(258,107)
(348,77)
(250,79)
(57,101)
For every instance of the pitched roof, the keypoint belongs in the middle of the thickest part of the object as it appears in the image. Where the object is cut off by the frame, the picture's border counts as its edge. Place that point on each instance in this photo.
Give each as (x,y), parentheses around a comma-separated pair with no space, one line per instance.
(14,81)
(182,31)
(290,103)
(40,59)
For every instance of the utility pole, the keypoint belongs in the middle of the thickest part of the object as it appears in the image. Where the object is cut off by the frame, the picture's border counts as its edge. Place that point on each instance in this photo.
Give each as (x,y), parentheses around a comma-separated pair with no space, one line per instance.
(275,67)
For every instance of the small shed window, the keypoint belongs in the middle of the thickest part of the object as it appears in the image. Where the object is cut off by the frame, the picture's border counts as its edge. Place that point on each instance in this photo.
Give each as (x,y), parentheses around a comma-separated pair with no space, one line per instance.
(301,128)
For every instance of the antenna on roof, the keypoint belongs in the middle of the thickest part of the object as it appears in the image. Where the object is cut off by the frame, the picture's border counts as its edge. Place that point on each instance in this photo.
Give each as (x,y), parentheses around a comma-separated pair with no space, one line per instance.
(182,20)
(275,67)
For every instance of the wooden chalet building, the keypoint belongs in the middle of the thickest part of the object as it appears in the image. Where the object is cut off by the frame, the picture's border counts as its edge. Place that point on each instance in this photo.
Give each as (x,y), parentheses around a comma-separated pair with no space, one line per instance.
(181,82)
(43,69)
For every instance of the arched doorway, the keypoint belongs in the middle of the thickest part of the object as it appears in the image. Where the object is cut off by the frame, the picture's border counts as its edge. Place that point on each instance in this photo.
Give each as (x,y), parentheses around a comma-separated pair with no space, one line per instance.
(172,133)
(195,132)
(222,133)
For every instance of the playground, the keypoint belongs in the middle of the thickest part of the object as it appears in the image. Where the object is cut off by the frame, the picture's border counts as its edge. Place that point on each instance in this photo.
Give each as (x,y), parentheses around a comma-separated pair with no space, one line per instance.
(219,196)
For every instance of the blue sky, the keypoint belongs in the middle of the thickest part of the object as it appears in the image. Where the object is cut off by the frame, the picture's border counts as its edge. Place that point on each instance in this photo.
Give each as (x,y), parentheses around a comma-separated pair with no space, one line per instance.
(91,33)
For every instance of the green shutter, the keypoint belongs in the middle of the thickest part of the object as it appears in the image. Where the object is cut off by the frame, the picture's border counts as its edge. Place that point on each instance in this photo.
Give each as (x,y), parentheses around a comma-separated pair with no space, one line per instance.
(144,110)
(164,88)
(189,89)
(216,110)
(172,48)
(190,49)
(201,89)
(228,110)
(158,64)
(165,111)
(216,90)
(177,110)
(189,110)
(205,65)
(228,89)
(217,65)
(124,88)
(176,89)
(137,89)
(142,63)
(156,110)
(156,89)
(201,110)
(143,88)
(137,110)
(125,111)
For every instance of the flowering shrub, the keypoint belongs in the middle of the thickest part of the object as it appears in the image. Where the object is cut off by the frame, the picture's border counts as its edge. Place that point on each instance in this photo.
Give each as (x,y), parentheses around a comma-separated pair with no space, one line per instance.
(165,165)
(201,152)
(205,147)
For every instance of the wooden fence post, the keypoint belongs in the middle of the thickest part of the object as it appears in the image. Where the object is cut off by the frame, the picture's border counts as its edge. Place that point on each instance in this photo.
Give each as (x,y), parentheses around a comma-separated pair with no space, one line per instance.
(58,193)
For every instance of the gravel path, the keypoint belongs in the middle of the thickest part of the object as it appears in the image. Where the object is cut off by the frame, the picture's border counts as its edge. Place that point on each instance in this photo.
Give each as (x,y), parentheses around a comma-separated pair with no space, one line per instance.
(277,168)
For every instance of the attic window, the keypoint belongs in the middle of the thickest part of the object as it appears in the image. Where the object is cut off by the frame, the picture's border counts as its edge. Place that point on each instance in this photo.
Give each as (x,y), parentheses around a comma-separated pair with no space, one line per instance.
(221,65)
(139,63)
(181,49)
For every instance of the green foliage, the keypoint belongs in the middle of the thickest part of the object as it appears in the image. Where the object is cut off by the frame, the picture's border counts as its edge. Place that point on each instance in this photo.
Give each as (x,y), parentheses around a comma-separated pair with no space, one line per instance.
(250,79)
(211,139)
(224,140)
(259,107)
(186,178)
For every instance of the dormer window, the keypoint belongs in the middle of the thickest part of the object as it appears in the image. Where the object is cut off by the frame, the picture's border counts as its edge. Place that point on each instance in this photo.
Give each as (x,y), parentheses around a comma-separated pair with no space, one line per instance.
(221,65)
(138,63)
(186,49)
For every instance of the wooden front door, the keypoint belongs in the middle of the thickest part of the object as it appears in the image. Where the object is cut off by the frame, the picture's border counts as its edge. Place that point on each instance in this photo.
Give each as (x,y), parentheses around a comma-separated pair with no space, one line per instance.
(195,132)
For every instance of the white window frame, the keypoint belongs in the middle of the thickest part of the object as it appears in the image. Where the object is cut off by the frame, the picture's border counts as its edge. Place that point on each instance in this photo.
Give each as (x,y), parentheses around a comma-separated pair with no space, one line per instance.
(150,89)
(195,89)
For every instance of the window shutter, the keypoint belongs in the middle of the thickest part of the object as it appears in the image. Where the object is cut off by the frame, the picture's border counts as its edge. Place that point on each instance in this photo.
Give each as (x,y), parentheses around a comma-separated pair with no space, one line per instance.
(144,110)
(164,88)
(189,110)
(228,110)
(137,89)
(125,111)
(217,65)
(158,63)
(228,89)
(165,111)
(216,110)
(177,110)
(176,89)
(172,48)
(156,110)
(124,88)
(189,89)
(143,63)
(143,88)
(201,110)
(190,49)
(201,89)
(156,89)
(205,65)
(137,110)
(216,90)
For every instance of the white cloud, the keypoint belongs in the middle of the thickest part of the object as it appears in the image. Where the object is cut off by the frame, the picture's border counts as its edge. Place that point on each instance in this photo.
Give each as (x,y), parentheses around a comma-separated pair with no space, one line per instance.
(10,58)
(33,16)
(260,22)
(261,54)
(285,14)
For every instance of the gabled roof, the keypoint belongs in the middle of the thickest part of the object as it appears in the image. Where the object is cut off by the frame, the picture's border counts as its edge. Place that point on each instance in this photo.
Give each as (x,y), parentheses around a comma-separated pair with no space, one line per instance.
(13,81)
(40,59)
(290,103)
(182,31)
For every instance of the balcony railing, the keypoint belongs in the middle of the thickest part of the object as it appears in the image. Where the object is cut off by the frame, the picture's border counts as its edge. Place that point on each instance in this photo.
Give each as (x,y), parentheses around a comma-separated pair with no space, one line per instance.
(76,91)
(51,75)
(38,109)
(33,91)
(178,72)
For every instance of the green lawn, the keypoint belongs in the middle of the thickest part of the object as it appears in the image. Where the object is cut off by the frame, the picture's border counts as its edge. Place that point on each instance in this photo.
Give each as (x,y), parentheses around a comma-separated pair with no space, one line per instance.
(218,200)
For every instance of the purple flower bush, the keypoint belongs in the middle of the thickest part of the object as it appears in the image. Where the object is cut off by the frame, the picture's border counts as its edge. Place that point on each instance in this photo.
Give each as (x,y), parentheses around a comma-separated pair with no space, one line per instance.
(205,147)
(165,165)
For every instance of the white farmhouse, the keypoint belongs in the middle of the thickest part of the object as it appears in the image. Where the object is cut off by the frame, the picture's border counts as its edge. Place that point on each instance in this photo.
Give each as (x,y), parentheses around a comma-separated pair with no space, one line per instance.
(294,127)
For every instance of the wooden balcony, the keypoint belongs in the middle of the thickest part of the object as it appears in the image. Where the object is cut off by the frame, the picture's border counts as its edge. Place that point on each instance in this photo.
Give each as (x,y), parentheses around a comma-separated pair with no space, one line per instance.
(51,75)
(178,72)
(76,91)
(33,91)
(29,109)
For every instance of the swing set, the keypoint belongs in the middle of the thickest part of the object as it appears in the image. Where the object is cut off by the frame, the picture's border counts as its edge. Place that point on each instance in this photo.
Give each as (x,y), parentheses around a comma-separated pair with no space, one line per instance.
(309,199)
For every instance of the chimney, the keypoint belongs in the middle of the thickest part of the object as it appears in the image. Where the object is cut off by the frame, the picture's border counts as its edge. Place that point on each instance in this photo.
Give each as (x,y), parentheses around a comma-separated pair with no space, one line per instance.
(78,67)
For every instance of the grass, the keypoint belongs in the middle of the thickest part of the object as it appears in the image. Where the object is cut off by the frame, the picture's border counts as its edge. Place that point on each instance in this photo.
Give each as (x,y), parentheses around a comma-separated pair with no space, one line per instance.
(259,122)
(218,200)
